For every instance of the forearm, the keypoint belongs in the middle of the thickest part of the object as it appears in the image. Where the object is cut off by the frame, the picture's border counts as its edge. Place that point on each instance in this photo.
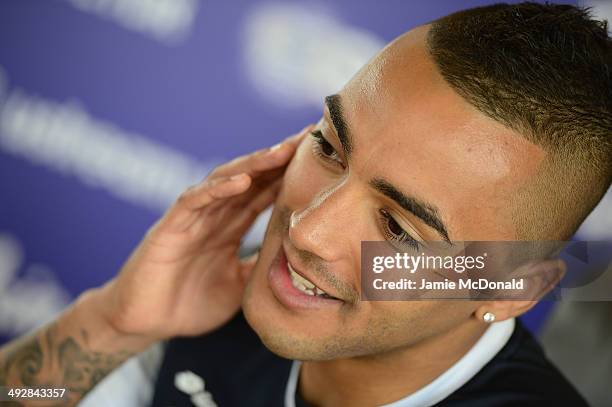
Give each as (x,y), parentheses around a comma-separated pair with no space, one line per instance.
(74,352)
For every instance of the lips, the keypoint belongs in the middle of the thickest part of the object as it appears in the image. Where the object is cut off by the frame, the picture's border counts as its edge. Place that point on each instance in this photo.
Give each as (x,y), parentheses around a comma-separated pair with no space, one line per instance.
(304,285)
(295,291)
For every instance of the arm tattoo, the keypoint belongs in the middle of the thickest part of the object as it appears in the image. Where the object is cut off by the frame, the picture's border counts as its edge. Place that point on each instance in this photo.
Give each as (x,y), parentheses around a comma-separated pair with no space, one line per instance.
(82,370)
(42,360)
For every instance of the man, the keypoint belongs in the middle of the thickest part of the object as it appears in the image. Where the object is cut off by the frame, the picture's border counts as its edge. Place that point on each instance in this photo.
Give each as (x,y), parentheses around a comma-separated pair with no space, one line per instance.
(490,124)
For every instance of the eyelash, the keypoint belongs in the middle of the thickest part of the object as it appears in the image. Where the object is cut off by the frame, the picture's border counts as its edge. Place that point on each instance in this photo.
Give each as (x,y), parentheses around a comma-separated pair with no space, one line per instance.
(321,144)
(402,238)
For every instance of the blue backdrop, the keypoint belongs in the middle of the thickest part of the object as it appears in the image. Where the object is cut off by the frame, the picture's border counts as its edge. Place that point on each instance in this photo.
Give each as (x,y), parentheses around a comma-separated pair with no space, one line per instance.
(108,109)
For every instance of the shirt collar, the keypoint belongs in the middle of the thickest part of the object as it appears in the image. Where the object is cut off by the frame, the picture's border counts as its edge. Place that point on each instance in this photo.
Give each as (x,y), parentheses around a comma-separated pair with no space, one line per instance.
(481,353)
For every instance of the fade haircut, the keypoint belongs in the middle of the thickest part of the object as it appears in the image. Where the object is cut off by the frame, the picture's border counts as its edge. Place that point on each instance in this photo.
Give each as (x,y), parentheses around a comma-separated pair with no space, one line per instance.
(543,70)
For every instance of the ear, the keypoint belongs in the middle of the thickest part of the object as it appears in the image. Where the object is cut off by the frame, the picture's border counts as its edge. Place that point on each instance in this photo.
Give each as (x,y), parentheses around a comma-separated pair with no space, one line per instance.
(539,277)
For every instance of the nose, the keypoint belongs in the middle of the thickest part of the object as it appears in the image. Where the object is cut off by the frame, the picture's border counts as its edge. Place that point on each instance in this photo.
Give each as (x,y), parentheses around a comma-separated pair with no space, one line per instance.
(324,225)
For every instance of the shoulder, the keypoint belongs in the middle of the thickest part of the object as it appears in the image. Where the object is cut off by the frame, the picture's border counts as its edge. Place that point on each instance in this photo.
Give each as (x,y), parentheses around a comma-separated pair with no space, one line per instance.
(520,374)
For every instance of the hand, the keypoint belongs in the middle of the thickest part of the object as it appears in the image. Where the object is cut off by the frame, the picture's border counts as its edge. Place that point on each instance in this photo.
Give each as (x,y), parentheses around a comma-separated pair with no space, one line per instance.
(185,277)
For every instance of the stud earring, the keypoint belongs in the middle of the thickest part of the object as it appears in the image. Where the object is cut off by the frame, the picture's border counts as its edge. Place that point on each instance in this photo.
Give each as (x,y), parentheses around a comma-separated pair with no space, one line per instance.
(488,317)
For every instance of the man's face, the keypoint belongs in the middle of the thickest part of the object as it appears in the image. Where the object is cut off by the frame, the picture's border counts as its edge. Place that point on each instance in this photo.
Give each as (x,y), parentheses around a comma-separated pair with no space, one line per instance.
(397,156)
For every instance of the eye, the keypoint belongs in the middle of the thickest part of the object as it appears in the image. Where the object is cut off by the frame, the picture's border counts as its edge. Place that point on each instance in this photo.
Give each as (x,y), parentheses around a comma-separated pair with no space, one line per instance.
(395,233)
(324,150)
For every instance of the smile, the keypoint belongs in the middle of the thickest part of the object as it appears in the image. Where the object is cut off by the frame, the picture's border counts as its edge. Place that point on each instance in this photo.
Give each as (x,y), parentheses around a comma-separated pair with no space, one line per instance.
(304,285)
(294,291)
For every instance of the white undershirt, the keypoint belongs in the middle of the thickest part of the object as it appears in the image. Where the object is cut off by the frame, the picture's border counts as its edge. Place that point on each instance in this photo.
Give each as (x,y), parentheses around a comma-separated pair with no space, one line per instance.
(489,344)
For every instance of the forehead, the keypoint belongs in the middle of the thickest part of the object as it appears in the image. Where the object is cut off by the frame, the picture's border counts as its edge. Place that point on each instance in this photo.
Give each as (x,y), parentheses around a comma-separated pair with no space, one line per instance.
(435,145)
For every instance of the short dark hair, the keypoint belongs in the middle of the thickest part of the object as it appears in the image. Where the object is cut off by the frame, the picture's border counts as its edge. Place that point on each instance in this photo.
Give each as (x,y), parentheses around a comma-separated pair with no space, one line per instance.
(544,70)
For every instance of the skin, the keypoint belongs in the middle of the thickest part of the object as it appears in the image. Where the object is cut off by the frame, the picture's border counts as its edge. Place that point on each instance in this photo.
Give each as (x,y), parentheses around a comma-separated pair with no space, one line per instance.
(409,127)
(436,147)
(187,261)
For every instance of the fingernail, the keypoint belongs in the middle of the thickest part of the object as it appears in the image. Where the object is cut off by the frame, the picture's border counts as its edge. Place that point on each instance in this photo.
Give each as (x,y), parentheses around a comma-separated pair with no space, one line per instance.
(275,147)
(237,176)
(299,133)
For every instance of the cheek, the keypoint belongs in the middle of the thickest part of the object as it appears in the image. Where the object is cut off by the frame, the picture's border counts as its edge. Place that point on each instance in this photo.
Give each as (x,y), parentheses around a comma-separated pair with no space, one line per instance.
(304,177)
(409,322)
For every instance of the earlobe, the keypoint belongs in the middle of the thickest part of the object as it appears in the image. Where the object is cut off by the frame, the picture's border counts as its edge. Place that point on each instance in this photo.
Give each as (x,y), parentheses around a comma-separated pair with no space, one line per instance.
(490,313)
(497,311)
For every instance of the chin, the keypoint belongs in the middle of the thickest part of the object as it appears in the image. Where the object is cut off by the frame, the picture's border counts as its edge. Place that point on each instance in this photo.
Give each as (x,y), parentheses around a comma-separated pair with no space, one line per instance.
(286,331)
(291,345)
(290,321)
(300,337)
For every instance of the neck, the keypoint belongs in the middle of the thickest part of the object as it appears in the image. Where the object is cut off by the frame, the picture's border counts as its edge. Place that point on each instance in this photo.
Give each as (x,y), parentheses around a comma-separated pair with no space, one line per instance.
(384,378)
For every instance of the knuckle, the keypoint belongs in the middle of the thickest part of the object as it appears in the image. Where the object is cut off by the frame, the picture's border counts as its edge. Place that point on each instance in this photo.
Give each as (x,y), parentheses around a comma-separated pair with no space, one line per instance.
(215,172)
(185,195)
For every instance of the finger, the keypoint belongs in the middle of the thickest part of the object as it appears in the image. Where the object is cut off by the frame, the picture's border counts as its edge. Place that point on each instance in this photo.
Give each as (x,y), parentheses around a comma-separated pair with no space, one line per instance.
(263,160)
(210,190)
(185,210)
(265,181)
(247,265)
(298,137)
(249,212)
(237,217)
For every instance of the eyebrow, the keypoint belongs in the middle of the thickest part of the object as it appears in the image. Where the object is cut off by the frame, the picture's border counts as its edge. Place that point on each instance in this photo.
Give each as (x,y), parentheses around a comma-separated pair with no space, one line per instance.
(334,106)
(424,211)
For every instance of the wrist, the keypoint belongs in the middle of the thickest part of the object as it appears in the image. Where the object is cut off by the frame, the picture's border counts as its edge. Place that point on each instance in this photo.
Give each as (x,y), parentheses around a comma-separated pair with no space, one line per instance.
(90,314)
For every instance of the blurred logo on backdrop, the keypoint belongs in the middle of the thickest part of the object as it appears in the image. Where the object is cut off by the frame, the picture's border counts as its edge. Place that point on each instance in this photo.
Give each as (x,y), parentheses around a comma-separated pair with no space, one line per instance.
(168,21)
(34,298)
(297,54)
(64,137)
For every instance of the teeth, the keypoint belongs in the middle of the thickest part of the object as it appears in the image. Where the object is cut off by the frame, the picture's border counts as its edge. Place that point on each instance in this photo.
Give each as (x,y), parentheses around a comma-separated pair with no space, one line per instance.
(304,285)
